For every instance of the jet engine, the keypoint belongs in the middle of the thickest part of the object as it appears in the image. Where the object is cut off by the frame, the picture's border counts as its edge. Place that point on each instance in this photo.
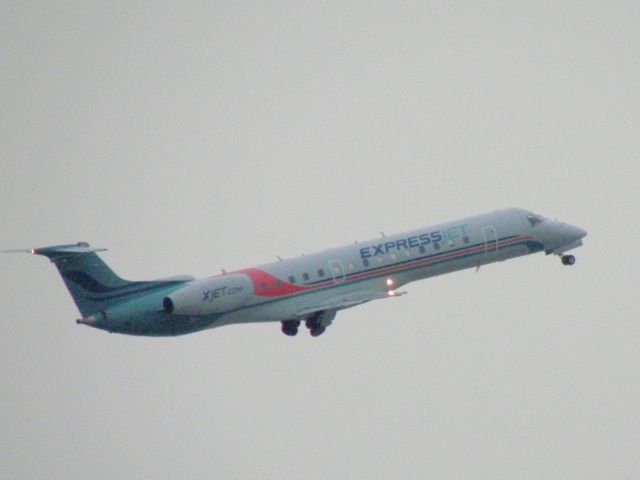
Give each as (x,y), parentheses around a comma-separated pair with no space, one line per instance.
(209,295)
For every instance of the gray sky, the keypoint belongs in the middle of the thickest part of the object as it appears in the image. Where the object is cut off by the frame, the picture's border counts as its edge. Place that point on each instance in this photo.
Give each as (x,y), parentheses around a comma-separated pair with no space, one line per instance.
(218,135)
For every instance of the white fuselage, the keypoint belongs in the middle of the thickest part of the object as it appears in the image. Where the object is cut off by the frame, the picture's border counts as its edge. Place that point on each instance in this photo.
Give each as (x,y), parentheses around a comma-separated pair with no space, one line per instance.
(341,277)
(310,288)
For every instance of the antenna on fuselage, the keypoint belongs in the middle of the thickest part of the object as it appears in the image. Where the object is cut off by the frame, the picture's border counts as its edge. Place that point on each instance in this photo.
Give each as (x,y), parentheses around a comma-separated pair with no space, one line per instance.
(383,235)
(278,257)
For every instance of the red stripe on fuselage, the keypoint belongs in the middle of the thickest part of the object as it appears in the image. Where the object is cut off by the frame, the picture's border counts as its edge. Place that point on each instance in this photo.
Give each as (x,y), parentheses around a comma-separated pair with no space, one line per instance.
(266,285)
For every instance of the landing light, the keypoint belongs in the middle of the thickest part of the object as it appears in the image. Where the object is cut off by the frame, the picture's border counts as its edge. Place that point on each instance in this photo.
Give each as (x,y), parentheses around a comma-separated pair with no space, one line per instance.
(391,293)
(390,281)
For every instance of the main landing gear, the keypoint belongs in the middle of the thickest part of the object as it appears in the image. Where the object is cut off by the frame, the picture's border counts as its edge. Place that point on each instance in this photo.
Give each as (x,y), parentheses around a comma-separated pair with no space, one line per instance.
(290,327)
(314,324)
(568,259)
(317,323)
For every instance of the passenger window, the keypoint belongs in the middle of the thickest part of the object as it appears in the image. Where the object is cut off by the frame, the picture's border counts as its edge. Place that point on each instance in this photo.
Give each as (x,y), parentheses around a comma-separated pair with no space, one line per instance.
(436,245)
(263,286)
(422,250)
(305,276)
(465,239)
(292,279)
(365,262)
(321,273)
(278,283)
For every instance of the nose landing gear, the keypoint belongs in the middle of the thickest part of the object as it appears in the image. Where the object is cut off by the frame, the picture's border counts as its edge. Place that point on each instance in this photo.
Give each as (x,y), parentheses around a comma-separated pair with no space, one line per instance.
(568,259)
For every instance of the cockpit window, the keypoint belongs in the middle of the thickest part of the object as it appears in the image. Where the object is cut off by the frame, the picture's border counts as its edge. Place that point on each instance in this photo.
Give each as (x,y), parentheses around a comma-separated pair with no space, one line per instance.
(535,219)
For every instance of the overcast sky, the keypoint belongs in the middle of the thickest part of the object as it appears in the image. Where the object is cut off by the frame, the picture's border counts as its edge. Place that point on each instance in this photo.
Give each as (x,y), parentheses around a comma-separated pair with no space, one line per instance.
(190,138)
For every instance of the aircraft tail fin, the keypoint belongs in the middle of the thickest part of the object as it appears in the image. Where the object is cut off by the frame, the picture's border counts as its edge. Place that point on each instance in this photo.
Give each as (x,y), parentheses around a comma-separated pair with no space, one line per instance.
(91,283)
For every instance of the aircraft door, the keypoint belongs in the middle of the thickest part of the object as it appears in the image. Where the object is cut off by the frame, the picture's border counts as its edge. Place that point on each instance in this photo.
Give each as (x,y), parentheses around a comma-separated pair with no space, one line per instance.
(337,271)
(490,237)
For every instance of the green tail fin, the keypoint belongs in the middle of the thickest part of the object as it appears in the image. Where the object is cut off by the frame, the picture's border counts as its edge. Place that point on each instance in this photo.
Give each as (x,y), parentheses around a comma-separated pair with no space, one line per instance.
(91,283)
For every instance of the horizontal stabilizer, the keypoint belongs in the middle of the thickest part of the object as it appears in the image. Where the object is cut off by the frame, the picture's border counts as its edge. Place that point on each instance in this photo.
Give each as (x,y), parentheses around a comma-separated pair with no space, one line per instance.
(80,247)
(52,251)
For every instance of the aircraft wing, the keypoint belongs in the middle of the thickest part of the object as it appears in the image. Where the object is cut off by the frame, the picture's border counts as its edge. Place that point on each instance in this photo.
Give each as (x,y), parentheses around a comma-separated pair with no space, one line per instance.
(346,300)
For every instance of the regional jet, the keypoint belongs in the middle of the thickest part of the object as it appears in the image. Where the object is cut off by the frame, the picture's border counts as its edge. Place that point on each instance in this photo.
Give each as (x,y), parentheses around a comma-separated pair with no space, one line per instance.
(309,289)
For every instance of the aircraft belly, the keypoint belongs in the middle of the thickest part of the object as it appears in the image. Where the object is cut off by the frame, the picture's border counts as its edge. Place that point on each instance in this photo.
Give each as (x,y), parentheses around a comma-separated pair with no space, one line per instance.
(287,308)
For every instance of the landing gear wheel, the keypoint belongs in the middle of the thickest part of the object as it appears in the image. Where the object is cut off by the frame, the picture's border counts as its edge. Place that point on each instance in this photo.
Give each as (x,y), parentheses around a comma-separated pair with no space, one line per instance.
(290,327)
(568,259)
(312,322)
(318,322)
(290,332)
(315,332)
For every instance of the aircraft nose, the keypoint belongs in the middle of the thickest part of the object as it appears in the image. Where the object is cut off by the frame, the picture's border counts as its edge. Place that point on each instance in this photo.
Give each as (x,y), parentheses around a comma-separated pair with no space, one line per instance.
(576,232)
(572,233)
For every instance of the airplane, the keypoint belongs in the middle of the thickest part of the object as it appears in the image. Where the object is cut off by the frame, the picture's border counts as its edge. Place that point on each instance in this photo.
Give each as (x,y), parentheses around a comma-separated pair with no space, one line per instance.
(311,288)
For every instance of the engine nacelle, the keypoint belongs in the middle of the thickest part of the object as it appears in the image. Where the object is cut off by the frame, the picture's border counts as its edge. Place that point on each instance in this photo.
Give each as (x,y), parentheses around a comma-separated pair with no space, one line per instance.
(210,295)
